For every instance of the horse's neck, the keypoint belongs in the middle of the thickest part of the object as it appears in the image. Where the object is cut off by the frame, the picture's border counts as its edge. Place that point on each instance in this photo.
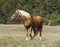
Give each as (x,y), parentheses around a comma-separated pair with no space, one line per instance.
(24,18)
(24,15)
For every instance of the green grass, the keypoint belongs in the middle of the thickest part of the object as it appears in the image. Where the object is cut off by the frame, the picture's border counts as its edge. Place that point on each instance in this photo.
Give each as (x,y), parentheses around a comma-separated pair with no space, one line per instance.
(23,43)
(9,42)
(14,36)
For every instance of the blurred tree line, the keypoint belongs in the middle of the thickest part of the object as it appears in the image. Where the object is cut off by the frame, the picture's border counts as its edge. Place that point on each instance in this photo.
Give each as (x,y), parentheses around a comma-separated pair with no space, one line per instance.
(48,9)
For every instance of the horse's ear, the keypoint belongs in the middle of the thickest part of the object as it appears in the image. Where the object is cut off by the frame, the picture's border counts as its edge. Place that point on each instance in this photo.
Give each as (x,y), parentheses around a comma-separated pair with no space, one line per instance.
(16,9)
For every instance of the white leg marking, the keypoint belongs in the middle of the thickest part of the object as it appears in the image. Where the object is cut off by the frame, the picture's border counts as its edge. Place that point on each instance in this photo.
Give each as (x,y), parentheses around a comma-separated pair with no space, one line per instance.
(40,38)
(26,39)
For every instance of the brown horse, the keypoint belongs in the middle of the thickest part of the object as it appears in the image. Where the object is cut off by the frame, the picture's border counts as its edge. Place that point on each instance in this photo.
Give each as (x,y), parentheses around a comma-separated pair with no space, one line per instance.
(35,23)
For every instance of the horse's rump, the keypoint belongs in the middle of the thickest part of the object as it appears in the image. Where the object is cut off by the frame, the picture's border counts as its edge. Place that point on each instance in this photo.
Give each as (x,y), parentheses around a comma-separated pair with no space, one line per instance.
(36,20)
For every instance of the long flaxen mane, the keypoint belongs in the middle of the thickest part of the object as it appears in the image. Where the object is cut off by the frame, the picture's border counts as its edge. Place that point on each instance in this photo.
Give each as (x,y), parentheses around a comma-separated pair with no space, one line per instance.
(24,13)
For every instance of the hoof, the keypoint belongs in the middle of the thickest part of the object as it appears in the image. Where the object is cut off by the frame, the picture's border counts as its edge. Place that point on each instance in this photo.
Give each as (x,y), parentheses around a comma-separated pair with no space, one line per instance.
(40,38)
(27,39)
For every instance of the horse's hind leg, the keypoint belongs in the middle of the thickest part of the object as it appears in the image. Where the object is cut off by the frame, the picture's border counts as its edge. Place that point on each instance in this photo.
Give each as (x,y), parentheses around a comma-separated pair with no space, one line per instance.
(40,32)
(35,33)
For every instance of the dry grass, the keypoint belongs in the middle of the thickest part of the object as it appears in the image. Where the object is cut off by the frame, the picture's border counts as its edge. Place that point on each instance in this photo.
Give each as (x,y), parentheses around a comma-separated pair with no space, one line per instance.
(14,36)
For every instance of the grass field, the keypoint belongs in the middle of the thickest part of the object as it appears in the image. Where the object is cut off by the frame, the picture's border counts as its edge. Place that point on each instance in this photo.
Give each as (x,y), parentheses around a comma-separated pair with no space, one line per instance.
(14,36)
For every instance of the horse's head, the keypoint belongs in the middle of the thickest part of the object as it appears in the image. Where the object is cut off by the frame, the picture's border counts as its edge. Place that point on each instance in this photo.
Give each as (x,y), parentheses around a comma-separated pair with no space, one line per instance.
(20,13)
(15,15)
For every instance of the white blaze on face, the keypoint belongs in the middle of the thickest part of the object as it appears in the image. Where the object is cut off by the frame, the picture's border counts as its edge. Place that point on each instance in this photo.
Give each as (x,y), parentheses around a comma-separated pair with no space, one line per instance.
(24,13)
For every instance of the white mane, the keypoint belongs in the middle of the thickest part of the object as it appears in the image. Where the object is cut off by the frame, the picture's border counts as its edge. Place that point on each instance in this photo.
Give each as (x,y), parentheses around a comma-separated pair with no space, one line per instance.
(24,13)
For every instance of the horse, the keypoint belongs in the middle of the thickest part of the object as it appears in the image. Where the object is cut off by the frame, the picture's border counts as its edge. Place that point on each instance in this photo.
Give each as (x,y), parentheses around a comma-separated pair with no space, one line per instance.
(34,23)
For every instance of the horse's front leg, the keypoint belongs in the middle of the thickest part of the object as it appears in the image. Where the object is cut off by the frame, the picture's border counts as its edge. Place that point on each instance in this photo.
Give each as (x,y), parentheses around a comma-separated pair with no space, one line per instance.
(30,33)
(26,32)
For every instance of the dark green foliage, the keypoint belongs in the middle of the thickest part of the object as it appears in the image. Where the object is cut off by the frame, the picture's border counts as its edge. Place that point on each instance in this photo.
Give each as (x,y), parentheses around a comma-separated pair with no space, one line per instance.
(48,9)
